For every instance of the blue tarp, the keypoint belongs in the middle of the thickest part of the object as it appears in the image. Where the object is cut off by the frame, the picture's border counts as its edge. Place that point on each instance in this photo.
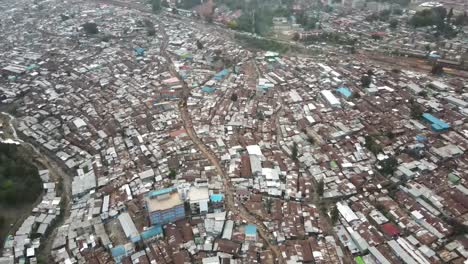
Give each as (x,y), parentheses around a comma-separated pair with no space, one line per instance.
(118,251)
(421,138)
(140,51)
(220,75)
(344,91)
(216,198)
(437,124)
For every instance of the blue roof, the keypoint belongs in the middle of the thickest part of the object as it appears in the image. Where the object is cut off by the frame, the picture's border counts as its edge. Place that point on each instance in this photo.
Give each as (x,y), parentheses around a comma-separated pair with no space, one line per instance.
(135,239)
(150,233)
(250,230)
(220,75)
(118,251)
(216,197)
(208,89)
(421,138)
(140,51)
(344,91)
(437,124)
(160,192)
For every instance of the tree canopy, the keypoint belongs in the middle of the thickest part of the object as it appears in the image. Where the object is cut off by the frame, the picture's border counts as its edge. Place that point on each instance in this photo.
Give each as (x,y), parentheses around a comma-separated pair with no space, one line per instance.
(388,166)
(19,178)
(90,28)
(429,17)
(366,80)
(156,5)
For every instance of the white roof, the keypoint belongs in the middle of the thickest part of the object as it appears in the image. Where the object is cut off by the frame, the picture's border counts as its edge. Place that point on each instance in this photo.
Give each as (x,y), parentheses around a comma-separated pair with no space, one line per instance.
(270,174)
(30,252)
(78,122)
(146,174)
(196,194)
(332,100)
(127,225)
(346,212)
(254,150)
(211,260)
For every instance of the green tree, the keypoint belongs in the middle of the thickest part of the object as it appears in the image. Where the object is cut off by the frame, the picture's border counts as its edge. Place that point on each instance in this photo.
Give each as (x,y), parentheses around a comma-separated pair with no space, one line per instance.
(320,187)
(232,24)
(234,97)
(172,174)
(156,5)
(450,15)
(295,151)
(296,36)
(459,229)
(416,110)
(269,204)
(2,222)
(151,31)
(64,17)
(19,179)
(393,24)
(388,166)
(461,20)
(397,12)
(199,44)
(90,28)
(372,146)
(429,17)
(384,15)
(188,4)
(437,69)
(334,214)
(366,80)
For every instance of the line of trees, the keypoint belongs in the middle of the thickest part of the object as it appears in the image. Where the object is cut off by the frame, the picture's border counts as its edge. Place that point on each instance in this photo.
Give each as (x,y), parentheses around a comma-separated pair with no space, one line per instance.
(445,22)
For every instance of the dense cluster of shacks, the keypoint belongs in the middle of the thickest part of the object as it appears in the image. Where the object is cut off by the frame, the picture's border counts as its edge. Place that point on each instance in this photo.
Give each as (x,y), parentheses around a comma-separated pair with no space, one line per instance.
(107,110)
(27,239)
(405,40)
(349,20)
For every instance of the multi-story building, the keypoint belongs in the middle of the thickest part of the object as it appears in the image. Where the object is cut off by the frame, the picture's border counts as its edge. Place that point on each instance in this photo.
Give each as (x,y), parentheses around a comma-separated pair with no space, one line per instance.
(165,206)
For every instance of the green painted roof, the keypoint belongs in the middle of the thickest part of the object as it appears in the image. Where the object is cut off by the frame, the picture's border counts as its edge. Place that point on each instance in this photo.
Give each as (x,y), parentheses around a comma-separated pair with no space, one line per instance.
(359,260)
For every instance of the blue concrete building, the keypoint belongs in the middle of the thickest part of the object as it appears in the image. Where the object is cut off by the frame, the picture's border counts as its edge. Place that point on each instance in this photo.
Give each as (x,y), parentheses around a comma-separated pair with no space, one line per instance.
(165,206)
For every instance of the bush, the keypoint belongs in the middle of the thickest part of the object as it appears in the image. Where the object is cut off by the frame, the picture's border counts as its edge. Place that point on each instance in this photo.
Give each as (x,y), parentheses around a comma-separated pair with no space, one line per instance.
(372,146)
(90,28)
(264,44)
(393,23)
